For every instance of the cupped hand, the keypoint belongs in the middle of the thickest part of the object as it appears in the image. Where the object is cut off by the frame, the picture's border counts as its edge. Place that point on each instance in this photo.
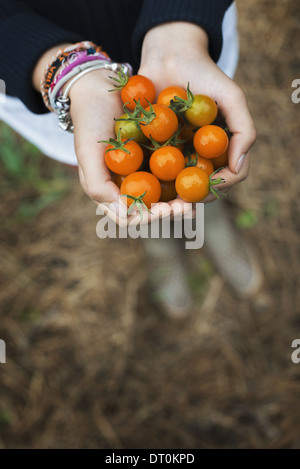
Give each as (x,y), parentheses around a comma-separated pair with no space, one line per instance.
(177,53)
(93,109)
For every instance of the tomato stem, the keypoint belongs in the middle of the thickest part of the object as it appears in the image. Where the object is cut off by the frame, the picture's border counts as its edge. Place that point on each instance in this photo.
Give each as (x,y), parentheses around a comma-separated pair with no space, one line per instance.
(181,105)
(137,203)
(146,117)
(191,161)
(213,182)
(140,116)
(121,81)
(117,144)
(173,141)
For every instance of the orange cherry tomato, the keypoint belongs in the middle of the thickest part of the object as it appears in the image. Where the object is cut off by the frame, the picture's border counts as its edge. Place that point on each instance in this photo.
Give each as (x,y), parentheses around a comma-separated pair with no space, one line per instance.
(168,191)
(221,160)
(210,141)
(166,162)
(137,183)
(187,133)
(117,179)
(163,126)
(166,95)
(137,88)
(192,184)
(120,162)
(200,162)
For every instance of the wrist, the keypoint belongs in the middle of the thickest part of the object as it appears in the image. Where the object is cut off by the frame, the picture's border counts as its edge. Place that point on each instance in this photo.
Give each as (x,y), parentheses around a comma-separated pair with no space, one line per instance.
(166,41)
(42,63)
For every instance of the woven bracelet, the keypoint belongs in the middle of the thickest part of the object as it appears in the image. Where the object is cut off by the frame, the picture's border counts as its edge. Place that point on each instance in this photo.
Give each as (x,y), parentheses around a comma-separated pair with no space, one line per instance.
(60,58)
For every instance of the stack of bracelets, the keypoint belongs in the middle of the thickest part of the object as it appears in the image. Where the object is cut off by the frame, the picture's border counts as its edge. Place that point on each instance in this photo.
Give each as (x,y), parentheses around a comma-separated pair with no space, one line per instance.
(72,63)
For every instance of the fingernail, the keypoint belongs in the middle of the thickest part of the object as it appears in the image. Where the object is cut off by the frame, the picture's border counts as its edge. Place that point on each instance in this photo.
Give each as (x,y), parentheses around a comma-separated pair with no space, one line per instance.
(240,163)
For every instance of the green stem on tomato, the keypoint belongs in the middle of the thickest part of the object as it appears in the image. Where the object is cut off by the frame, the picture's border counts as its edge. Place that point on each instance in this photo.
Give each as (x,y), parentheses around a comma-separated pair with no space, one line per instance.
(137,203)
(180,105)
(214,182)
(117,144)
(191,161)
(173,140)
(121,81)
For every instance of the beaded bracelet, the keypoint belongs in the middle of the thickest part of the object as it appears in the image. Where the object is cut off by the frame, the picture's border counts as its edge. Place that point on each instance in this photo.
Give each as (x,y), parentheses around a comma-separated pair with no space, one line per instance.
(82,58)
(60,57)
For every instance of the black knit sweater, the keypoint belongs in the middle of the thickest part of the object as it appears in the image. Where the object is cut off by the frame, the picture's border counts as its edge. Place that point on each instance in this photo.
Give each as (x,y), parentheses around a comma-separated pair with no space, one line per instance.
(30,27)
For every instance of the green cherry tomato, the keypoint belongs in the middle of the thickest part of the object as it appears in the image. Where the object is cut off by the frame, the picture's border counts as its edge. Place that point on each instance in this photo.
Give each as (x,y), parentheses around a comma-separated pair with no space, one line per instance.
(203,111)
(129,129)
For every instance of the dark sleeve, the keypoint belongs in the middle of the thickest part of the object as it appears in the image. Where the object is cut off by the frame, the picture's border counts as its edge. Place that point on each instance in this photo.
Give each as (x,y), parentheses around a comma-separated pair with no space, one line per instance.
(24,37)
(206,13)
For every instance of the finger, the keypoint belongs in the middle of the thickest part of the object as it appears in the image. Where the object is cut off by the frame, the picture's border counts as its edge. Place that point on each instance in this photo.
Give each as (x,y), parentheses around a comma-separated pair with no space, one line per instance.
(93,170)
(239,121)
(181,207)
(230,178)
(94,121)
(159,210)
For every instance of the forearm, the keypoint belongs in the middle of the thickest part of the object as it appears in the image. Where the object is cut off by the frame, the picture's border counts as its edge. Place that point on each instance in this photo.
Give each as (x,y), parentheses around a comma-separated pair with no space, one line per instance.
(24,38)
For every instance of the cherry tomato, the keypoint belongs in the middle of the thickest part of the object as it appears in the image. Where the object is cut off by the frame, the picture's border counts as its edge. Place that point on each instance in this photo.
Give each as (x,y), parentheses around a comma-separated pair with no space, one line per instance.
(210,141)
(168,191)
(120,162)
(166,95)
(137,183)
(129,129)
(117,179)
(203,111)
(166,163)
(163,126)
(192,184)
(187,132)
(137,88)
(200,162)
(221,160)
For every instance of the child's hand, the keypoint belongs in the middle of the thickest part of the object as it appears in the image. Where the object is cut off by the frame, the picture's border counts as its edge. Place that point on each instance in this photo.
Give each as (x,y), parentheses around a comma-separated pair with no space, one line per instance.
(93,110)
(177,53)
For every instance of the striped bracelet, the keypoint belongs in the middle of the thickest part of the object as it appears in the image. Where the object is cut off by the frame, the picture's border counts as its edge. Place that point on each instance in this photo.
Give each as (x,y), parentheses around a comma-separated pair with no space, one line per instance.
(64,57)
